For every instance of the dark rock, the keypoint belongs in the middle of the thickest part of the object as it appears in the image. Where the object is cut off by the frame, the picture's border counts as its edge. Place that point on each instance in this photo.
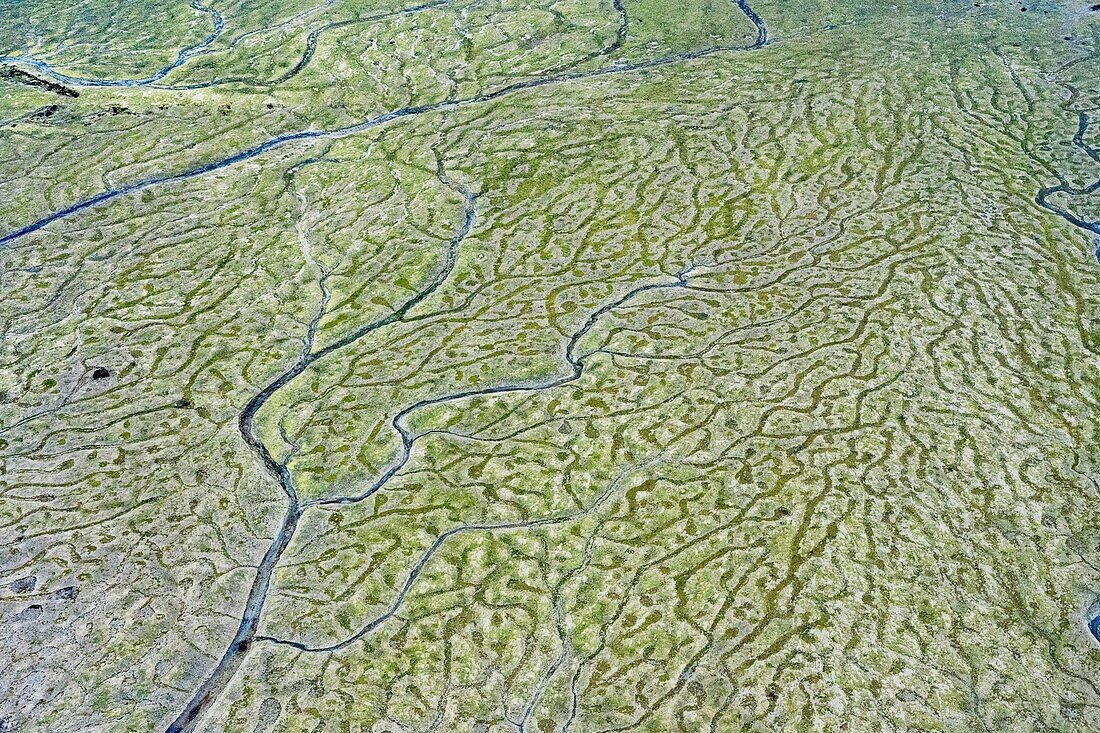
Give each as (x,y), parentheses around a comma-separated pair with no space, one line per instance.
(100,373)
(24,585)
(67,593)
(29,79)
(30,613)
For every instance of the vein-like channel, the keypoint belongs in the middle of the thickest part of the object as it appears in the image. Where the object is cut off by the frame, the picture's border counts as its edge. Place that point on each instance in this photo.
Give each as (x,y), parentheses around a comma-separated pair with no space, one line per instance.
(250,619)
(182,57)
(382,119)
(1043,197)
(245,636)
(577,365)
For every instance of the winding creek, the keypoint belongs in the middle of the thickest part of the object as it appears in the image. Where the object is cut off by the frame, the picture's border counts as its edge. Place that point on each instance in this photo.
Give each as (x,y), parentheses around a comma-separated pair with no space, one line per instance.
(205,47)
(382,119)
(250,618)
(311,45)
(182,57)
(1043,197)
